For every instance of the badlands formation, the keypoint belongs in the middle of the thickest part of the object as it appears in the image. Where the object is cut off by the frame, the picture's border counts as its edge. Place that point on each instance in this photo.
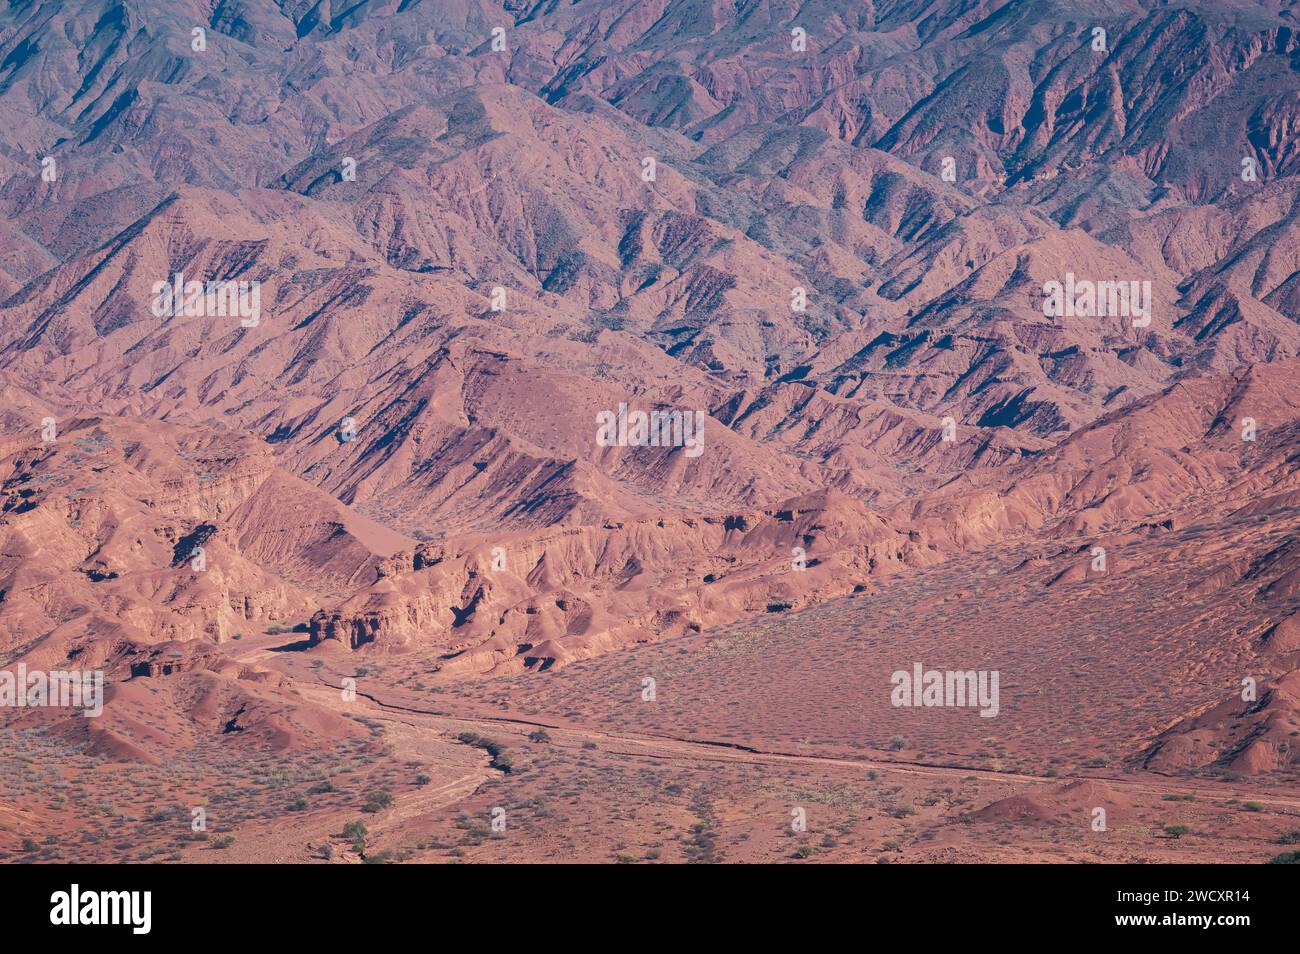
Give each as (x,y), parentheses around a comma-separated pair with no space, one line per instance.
(486,431)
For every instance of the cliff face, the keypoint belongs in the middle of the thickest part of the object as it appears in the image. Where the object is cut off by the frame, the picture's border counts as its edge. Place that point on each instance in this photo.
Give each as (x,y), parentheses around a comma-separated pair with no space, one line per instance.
(540,599)
(120,530)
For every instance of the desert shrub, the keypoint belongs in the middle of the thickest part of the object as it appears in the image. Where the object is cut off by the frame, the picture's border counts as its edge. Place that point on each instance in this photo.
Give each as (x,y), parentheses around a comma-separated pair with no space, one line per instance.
(377,801)
(501,760)
(355,830)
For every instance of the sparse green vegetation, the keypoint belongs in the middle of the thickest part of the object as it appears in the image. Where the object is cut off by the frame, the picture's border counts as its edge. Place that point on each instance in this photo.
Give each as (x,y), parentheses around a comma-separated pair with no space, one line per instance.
(378,801)
(501,759)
